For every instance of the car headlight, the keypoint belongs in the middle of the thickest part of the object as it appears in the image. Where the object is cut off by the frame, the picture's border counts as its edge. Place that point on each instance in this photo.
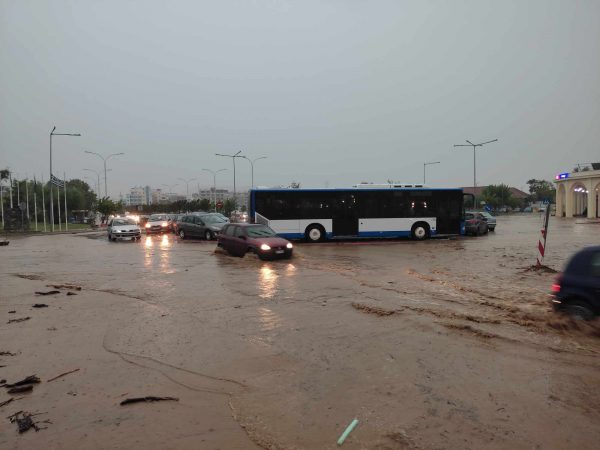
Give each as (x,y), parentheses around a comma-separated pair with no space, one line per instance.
(165,224)
(289,245)
(265,247)
(117,231)
(147,225)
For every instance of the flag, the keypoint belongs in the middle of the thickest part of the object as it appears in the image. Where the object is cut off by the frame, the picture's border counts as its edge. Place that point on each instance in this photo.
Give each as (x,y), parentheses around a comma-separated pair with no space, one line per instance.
(57,181)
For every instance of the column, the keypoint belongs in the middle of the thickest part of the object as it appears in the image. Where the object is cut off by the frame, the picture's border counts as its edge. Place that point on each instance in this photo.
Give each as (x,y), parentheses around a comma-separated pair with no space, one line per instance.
(560,207)
(568,199)
(591,198)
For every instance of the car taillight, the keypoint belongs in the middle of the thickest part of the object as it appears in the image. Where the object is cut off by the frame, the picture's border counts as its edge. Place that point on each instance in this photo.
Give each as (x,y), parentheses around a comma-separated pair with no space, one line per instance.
(556,285)
(472,221)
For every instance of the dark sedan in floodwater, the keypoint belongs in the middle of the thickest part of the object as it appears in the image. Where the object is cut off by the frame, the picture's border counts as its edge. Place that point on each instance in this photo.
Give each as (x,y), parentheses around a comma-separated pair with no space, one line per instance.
(240,238)
(577,290)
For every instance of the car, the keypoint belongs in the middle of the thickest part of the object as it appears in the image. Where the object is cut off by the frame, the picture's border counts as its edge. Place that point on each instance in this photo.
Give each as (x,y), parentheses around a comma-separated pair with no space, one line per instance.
(475,223)
(240,238)
(491,220)
(157,223)
(205,226)
(124,229)
(576,291)
(239,217)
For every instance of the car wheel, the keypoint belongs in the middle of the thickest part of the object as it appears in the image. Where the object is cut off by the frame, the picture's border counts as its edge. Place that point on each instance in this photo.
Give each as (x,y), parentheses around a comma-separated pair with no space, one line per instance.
(314,233)
(110,238)
(208,235)
(492,228)
(420,231)
(579,310)
(182,234)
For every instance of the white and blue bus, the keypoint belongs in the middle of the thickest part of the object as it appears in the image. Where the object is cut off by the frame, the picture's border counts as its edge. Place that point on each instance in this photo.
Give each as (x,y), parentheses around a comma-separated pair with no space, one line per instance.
(320,214)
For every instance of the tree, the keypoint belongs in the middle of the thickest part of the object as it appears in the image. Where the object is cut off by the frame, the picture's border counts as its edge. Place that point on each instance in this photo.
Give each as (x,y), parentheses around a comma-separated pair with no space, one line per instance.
(541,190)
(107,207)
(498,196)
(204,205)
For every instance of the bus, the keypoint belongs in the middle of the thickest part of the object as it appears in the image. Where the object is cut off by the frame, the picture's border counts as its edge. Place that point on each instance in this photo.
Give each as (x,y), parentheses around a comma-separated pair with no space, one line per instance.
(321,214)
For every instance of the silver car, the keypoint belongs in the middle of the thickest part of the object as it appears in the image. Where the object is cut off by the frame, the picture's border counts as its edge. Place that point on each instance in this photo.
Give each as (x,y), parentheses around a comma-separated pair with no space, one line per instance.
(491,220)
(123,229)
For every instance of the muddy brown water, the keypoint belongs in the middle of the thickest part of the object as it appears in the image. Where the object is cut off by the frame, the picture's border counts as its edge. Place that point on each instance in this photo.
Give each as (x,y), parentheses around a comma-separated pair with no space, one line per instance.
(434,345)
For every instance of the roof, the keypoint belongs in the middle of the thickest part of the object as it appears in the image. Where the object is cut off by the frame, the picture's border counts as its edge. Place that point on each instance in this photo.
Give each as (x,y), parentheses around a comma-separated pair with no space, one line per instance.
(516,193)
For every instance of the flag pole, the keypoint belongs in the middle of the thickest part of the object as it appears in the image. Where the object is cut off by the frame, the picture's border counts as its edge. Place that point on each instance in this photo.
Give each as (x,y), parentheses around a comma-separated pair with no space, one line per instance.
(66,213)
(58,204)
(35,204)
(43,204)
(27,196)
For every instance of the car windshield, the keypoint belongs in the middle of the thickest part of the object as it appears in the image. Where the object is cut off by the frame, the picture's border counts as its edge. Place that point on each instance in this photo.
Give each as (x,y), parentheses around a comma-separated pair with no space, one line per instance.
(157,217)
(260,231)
(469,216)
(117,222)
(210,218)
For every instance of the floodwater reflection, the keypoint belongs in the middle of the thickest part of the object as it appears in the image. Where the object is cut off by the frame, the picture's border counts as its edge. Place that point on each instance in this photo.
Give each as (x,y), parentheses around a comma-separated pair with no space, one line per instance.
(267,282)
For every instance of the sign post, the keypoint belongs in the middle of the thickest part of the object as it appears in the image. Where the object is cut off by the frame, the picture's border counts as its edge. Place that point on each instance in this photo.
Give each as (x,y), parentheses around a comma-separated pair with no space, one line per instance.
(543,236)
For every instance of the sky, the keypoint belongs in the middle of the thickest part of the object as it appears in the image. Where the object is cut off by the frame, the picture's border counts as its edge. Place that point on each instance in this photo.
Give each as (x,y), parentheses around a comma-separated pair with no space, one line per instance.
(331,92)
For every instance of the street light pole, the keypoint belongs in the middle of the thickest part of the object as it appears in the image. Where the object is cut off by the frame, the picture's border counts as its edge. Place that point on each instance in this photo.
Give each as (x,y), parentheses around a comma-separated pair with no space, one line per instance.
(52,133)
(187,186)
(97,182)
(170,186)
(236,155)
(470,144)
(427,164)
(252,161)
(104,159)
(214,174)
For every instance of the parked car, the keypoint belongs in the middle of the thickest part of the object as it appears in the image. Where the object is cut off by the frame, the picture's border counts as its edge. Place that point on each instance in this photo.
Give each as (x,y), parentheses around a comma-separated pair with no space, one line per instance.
(123,228)
(205,226)
(576,290)
(241,238)
(157,223)
(475,223)
(491,220)
(238,217)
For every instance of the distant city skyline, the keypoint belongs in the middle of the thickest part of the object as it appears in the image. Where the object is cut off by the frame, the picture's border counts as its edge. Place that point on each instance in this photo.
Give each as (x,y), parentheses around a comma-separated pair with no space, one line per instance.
(333,93)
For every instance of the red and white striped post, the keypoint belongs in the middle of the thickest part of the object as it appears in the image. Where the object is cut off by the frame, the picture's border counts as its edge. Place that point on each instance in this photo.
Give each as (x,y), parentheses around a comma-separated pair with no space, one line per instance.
(543,236)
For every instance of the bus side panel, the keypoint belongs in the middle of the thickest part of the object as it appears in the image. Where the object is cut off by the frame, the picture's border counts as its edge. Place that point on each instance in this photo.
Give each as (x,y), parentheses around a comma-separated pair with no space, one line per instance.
(390,227)
(295,229)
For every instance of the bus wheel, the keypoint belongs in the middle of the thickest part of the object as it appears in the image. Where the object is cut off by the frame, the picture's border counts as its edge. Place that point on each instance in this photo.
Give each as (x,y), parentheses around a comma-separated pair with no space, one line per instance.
(314,233)
(420,231)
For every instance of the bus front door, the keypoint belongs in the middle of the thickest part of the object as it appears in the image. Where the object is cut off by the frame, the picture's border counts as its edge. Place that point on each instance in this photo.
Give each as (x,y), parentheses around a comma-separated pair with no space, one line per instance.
(345,217)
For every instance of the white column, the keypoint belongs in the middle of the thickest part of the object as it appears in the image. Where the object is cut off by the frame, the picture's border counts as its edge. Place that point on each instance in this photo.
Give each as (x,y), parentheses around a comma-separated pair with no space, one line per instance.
(569,199)
(591,199)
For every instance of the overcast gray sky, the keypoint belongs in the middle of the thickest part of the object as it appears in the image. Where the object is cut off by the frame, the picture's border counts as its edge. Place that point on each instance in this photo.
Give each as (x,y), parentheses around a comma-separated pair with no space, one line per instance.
(333,92)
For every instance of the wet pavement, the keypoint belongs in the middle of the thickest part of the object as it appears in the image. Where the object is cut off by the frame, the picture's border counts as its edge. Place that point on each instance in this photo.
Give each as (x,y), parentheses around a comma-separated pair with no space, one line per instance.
(441,344)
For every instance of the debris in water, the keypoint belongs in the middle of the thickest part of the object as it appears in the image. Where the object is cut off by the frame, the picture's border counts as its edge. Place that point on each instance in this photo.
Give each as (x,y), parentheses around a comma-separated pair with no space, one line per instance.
(31,379)
(20,389)
(7,354)
(6,402)
(73,287)
(147,399)
(63,374)
(47,292)
(71,293)
(12,312)
(4,242)
(373,309)
(40,305)
(22,319)
(25,422)
(348,430)
(540,269)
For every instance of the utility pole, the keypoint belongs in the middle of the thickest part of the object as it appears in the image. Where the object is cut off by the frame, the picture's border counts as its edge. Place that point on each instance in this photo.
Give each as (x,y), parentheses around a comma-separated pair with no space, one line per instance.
(52,133)
(97,182)
(252,161)
(427,164)
(187,186)
(235,155)
(470,144)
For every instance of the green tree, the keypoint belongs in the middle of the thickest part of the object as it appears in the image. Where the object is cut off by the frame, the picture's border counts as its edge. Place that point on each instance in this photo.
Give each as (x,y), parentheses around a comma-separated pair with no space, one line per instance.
(107,207)
(498,196)
(204,205)
(541,190)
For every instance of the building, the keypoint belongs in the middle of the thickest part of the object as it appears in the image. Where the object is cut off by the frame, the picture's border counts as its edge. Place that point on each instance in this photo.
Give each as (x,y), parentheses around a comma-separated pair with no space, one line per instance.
(577,192)
(136,197)
(209,194)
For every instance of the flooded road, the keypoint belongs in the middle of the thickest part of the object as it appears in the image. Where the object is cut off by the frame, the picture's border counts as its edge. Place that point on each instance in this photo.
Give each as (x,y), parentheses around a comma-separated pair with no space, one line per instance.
(430,345)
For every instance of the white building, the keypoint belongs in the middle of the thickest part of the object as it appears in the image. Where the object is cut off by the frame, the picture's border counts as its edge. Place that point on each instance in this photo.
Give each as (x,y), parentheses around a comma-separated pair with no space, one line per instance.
(577,193)
(136,196)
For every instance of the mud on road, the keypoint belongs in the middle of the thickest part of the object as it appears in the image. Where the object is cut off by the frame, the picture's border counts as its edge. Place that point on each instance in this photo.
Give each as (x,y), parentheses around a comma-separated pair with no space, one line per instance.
(443,344)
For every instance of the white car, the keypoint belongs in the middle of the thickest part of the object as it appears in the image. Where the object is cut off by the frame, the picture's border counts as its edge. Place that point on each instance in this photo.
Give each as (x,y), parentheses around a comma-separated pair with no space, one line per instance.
(124,229)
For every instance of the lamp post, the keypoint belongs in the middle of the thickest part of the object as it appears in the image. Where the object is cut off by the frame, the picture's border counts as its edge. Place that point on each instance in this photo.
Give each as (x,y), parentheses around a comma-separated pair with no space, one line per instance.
(252,161)
(187,186)
(425,165)
(214,174)
(235,155)
(97,182)
(104,159)
(470,144)
(170,186)
(52,133)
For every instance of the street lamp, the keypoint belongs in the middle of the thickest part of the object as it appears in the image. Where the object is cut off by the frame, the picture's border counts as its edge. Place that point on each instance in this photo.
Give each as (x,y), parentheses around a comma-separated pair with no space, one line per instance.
(427,164)
(170,186)
(470,144)
(236,155)
(214,174)
(252,161)
(97,182)
(52,133)
(187,186)
(104,159)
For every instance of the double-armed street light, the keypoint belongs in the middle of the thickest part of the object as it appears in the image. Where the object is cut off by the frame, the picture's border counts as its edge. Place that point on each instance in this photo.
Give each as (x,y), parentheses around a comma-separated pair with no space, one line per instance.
(104,159)
(235,155)
(214,174)
(252,161)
